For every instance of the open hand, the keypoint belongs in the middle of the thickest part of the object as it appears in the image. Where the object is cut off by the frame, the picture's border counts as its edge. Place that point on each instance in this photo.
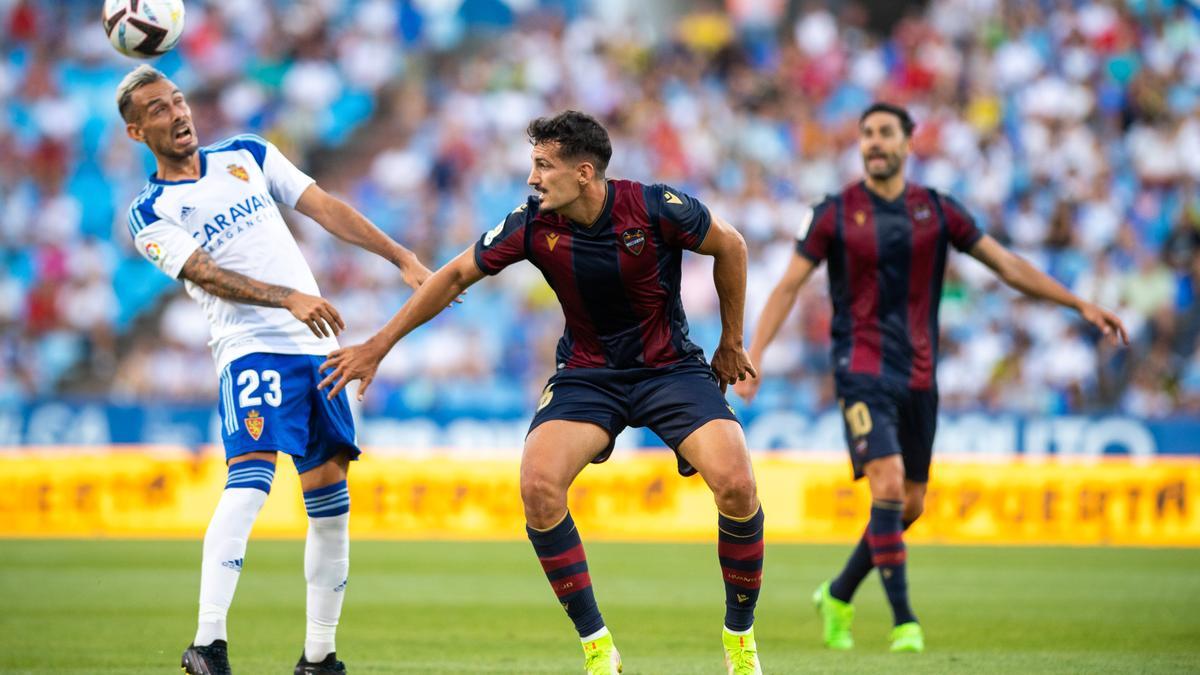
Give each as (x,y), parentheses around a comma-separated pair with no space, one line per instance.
(348,364)
(1108,323)
(732,365)
(315,312)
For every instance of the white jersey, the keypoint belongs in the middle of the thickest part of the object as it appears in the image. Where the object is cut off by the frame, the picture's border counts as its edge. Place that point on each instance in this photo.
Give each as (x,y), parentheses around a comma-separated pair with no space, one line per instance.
(230,212)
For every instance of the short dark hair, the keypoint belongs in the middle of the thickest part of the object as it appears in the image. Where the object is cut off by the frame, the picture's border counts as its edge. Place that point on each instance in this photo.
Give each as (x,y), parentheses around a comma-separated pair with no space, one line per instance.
(906,121)
(578,135)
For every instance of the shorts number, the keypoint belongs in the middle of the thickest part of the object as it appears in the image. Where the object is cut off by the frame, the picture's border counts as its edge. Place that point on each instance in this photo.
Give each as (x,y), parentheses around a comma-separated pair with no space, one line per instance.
(858,418)
(248,380)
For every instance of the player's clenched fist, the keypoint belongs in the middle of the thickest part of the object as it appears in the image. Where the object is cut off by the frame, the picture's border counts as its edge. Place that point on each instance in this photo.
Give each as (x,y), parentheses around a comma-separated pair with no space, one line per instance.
(351,363)
(315,312)
(732,365)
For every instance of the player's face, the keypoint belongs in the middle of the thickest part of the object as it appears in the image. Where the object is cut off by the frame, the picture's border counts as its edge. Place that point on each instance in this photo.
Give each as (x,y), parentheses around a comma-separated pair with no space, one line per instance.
(558,182)
(164,121)
(883,145)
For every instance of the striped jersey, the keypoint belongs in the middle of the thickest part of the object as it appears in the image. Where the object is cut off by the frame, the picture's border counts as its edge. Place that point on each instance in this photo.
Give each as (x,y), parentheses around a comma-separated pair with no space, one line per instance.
(887,260)
(617,280)
(230,211)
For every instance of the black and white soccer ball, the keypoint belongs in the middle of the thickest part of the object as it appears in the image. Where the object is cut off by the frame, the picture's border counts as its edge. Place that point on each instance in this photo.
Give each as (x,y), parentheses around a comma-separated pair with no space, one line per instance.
(143,29)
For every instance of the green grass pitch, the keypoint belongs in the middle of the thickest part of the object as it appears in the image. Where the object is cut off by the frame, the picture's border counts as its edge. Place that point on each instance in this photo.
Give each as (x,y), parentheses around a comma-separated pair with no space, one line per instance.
(129,607)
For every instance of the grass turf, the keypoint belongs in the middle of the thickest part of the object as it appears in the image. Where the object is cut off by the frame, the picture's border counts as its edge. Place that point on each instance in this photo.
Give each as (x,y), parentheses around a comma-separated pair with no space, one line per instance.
(412,607)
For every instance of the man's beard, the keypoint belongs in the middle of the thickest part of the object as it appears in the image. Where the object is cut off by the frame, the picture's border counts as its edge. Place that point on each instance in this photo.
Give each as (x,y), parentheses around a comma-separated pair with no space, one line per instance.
(891,168)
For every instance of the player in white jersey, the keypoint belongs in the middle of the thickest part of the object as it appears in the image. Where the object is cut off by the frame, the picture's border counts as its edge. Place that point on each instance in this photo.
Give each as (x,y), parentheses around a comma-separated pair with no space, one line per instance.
(208,216)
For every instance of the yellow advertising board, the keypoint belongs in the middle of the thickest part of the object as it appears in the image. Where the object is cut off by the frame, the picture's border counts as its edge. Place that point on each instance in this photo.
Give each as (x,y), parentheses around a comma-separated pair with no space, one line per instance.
(169,492)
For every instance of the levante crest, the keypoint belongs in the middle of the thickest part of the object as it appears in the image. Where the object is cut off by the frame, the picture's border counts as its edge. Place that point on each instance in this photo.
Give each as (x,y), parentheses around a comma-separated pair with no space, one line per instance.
(254,424)
(635,240)
(238,172)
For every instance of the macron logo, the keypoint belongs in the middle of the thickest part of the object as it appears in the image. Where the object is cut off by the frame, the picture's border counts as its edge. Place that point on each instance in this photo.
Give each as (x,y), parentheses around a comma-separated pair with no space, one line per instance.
(235,565)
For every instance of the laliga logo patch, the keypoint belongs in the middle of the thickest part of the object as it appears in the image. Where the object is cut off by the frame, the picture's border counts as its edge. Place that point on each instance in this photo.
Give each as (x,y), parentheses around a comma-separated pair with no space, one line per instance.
(153,251)
(254,424)
(238,172)
(635,240)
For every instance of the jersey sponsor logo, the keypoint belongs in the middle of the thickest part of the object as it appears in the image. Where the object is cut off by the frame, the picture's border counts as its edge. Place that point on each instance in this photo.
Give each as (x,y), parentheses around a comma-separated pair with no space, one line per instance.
(254,424)
(492,234)
(225,225)
(153,251)
(672,199)
(551,239)
(635,240)
(238,172)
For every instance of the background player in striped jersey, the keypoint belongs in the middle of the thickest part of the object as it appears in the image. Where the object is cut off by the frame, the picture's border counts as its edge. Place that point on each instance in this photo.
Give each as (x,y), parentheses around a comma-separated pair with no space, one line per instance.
(208,216)
(611,250)
(886,241)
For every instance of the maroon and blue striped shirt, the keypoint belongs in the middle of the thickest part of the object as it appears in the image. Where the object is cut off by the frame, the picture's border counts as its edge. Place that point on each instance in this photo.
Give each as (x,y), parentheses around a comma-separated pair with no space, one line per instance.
(887,260)
(617,280)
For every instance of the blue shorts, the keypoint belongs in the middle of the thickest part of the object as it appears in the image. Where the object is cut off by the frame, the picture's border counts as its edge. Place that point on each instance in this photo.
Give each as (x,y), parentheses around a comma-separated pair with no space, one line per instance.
(270,402)
(883,418)
(673,401)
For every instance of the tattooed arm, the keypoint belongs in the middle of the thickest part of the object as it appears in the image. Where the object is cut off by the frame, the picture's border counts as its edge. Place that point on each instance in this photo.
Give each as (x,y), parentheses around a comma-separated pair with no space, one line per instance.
(315,312)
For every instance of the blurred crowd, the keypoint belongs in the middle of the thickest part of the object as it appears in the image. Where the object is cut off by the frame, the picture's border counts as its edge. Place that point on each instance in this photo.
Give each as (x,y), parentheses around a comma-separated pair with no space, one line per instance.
(1070,129)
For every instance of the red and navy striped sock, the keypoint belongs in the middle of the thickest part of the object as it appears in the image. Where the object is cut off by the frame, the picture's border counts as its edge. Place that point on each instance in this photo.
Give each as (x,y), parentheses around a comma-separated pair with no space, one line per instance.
(858,566)
(885,536)
(560,551)
(740,549)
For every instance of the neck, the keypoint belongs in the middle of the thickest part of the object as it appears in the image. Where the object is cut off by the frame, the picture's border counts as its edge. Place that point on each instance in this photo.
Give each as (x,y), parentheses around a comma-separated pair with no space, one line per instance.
(184,168)
(888,188)
(588,206)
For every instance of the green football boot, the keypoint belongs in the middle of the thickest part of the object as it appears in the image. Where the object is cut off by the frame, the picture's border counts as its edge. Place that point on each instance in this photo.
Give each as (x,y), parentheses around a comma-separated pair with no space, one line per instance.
(837,617)
(600,656)
(908,637)
(741,653)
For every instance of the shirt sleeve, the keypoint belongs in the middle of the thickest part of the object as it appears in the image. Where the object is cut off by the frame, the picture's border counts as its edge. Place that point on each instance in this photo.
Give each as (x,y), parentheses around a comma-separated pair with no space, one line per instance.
(285,181)
(161,241)
(817,232)
(683,219)
(960,226)
(504,244)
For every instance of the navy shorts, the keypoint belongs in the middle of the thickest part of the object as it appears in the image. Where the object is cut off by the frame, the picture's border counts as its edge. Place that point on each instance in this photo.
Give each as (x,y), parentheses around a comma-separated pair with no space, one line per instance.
(672,401)
(883,418)
(270,402)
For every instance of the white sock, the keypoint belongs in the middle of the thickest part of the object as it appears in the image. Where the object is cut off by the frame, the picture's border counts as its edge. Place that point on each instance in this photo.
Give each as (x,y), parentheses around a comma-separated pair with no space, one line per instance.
(221,563)
(595,636)
(326,567)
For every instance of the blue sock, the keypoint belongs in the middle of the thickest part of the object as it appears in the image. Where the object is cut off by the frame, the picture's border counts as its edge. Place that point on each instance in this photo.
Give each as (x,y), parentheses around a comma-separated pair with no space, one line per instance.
(857,567)
(252,473)
(331,500)
(560,550)
(885,536)
(740,551)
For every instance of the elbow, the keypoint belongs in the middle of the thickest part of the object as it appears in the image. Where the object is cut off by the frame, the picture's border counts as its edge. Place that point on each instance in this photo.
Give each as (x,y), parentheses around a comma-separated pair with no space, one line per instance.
(735,246)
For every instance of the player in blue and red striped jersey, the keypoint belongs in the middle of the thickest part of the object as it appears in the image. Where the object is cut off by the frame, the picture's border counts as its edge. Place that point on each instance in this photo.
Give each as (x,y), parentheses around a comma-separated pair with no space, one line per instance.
(611,250)
(885,241)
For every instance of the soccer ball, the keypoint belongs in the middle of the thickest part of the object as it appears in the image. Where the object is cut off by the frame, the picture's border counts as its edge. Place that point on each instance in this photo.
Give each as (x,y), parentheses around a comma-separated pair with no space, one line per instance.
(143,29)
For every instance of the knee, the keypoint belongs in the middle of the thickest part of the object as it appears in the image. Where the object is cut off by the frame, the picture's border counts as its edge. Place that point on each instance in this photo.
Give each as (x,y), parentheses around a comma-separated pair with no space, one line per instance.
(736,494)
(545,501)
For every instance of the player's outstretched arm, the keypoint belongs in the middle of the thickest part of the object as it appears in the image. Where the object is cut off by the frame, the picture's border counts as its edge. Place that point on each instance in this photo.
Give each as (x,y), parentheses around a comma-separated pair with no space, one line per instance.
(360,361)
(316,312)
(774,313)
(346,223)
(1024,277)
(728,249)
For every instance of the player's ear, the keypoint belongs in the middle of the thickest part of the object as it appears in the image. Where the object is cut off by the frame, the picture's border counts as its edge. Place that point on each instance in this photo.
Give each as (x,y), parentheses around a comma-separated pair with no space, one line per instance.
(586,172)
(134,131)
